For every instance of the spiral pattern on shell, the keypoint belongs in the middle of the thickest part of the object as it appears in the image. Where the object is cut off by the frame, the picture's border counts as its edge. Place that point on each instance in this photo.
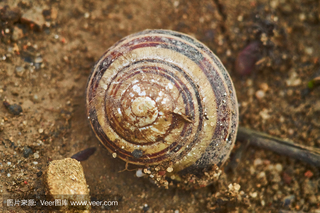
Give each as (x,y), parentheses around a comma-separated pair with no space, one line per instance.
(160,96)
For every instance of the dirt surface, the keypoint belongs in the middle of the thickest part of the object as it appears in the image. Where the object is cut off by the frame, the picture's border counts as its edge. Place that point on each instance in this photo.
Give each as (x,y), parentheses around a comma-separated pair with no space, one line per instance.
(270,48)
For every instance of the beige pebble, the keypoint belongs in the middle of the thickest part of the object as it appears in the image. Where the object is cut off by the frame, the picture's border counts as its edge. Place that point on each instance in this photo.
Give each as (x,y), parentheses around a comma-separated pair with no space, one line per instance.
(264,87)
(290,131)
(278,167)
(169,169)
(264,113)
(257,162)
(65,180)
(36,155)
(253,194)
(260,94)
(261,175)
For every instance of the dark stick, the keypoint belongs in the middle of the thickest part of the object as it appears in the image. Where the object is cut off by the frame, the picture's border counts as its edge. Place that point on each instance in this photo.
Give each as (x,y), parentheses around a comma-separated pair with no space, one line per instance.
(307,154)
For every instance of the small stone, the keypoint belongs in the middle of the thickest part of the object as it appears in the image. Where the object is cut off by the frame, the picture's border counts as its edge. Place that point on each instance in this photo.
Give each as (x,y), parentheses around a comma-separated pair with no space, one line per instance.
(15,91)
(36,155)
(54,13)
(257,162)
(114,155)
(278,167)
(40,131)
(286,9)
(27,151)
(260,94)
(169,169)
(39,174)
(253,194)
(275,187)
(8,175)
(35,98)
(293,79)
(308,50)
(46,14)
(264,87)
(38,60)
(139,173)
(66,178)
(86,15)
(236,187)
(274,4)
(14,109)
(288,200)
(313,199)
(276,177)
(145,207)
(137,153)
(302,16)
(290,131)
(308,174)
(33,18)
(17,34)
(264,113)
(261,175)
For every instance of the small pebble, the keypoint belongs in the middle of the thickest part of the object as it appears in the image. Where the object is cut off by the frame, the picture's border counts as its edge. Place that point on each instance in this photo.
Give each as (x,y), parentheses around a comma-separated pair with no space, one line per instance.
(264,113)
(39,174)
(307,174)
(264,87)
(86,15)
(38,60)
(9,163)
(257,162)
(253,194)
(308,50)
(288,199)
(290,131)
(139,173)
(27,151)
(35,98)
(36,155)
(14,109)
(19,71)
(40,131)
(35,162)
(8,175)
(145,207)
(114,155)
(33,17)
(169,169)
(278,167)
(302,16)
(260,94)
(137,153)
(261,175)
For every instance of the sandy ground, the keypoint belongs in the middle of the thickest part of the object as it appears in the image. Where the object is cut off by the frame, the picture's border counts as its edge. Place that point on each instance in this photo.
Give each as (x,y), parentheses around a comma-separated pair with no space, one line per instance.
(46,57)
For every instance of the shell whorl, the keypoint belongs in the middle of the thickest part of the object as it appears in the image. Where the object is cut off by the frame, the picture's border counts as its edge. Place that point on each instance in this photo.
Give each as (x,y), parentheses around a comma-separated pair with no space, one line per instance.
(161,96)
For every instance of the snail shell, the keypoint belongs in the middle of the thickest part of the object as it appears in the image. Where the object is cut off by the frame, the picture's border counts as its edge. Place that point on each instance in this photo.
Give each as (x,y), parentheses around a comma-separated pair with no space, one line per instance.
(160,97)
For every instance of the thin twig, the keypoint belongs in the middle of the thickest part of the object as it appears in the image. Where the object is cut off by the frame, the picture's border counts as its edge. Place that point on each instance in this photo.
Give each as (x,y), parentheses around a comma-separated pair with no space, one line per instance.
(307,154)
